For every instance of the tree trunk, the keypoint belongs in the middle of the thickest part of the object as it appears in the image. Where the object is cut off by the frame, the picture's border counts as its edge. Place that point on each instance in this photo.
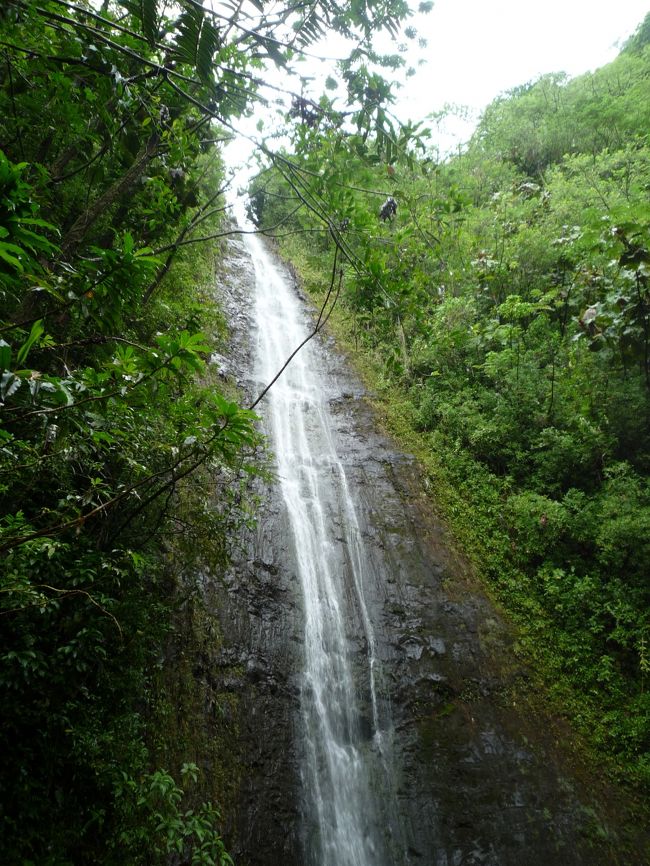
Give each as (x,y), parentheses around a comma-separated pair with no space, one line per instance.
(78,230)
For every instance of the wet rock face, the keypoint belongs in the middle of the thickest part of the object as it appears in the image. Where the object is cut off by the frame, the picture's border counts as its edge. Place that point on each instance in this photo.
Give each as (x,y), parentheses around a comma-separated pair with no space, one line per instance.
(256,604)
(475,781)
(478,783)
(260,625)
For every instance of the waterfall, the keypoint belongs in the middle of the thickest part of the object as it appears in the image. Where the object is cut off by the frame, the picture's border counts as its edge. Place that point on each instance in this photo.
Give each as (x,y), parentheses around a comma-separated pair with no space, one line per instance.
(349,801)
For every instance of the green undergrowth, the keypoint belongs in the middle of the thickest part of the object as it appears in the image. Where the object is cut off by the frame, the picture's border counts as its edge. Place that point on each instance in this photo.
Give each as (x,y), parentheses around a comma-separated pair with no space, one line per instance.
(118,746)
(125,460)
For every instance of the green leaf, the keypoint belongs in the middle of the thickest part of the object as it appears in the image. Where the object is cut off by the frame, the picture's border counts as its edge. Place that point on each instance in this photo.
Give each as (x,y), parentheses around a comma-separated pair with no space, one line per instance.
(128,243)
(208,43)
(149,18)
(6,251)
(34,221)
(33,241)
(34,335)
(5,355)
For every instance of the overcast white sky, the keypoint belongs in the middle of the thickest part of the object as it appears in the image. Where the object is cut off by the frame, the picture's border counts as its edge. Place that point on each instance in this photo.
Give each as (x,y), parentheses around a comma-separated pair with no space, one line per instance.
(479,48)
(476,49)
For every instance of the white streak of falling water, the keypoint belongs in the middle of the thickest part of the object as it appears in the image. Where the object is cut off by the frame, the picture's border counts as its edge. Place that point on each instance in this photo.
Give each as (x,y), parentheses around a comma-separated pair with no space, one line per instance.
(345,768)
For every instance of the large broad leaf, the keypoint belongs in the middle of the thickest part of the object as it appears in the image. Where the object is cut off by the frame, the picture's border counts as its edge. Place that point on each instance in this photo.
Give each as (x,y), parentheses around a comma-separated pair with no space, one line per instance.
(149,18)
(197,41)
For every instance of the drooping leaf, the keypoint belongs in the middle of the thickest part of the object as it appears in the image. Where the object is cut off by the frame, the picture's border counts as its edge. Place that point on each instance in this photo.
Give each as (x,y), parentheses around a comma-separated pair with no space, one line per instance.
(9,253)
(208,44)
(149,18)
(34,335)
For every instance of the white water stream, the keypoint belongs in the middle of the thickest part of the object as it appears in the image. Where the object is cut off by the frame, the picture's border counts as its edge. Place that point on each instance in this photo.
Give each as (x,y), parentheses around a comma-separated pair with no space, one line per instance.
(349,806)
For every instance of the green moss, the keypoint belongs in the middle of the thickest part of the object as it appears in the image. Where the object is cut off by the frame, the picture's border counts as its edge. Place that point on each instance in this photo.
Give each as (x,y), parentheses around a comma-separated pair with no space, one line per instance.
(193,720)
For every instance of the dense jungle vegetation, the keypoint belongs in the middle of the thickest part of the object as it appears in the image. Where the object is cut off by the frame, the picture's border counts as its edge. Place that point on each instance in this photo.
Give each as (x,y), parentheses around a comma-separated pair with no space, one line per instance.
(499,302)
(501,309)
(124,459)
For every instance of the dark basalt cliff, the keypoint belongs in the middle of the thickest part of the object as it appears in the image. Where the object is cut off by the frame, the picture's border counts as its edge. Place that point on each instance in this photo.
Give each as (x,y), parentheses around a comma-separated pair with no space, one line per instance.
(478,779)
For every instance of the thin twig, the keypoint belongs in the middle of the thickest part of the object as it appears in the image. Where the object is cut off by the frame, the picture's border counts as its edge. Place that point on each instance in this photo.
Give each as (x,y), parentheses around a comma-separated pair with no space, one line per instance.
(320,323)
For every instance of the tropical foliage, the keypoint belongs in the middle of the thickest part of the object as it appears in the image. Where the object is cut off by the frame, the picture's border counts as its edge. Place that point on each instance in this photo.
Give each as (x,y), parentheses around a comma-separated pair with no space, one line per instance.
(502,302)
(121,453)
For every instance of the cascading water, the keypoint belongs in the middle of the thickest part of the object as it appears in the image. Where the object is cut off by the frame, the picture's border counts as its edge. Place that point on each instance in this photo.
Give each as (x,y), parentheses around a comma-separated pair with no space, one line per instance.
(450,771)
(350,805)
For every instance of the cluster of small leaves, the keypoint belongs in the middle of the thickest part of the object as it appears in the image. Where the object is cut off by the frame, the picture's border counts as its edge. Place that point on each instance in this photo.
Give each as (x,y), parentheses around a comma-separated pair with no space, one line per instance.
(152,808)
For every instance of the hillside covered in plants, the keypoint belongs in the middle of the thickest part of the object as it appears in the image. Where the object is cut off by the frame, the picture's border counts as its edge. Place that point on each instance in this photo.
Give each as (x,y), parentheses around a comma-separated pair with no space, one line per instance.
(499,305)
